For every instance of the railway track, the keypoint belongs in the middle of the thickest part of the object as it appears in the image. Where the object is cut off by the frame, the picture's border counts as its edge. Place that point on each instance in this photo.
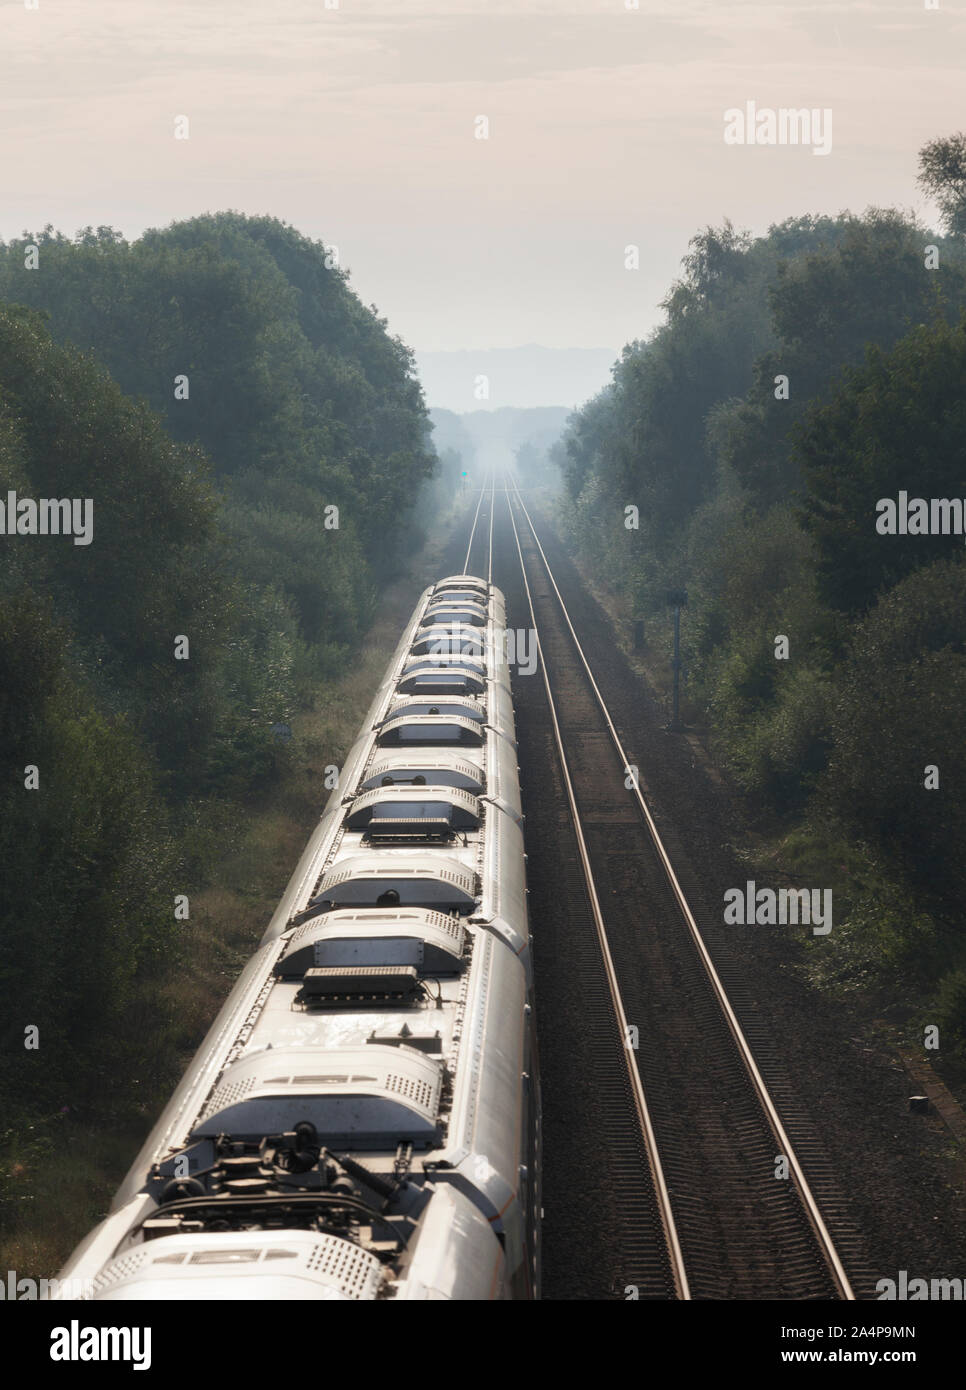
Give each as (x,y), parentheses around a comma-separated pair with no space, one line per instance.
(696,1120)
(481,531)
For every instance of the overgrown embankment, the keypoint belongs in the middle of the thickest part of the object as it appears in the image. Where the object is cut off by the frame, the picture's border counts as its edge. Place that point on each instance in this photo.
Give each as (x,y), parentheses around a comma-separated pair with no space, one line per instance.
(745,452)
(252,450)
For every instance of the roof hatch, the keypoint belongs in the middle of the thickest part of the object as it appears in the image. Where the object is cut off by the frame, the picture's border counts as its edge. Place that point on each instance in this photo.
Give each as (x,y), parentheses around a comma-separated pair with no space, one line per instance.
(445,704)
(430,728)
(431,941)
(368,1096)
(370,880)
(407,767)
(427,679)
(438,615)
(463,581)
(449,641)
(411,813)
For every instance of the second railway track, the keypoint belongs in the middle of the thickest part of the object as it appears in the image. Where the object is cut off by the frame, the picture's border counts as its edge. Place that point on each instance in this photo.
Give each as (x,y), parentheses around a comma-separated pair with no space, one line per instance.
(718,1131)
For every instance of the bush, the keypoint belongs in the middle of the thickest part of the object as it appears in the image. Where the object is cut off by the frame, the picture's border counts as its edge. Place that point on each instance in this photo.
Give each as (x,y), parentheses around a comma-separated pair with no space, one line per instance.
(899,706)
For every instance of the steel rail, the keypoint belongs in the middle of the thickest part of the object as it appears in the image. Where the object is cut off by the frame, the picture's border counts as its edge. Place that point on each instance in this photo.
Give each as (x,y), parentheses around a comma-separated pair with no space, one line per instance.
(489,571)
(676,1258)
(772,1116)
(476,517)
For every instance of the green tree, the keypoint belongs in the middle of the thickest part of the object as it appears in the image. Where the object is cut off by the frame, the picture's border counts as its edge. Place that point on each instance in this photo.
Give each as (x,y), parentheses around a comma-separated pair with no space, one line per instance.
(898,707)
(942,175)
(896,424)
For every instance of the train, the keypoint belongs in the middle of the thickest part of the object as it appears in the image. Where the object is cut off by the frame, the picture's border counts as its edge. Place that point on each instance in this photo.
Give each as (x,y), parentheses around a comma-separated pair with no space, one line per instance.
(362,1121)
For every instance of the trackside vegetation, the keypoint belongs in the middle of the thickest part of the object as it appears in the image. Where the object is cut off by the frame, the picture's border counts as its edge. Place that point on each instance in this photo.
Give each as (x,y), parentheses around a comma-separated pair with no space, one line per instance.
(800,379)
(255,445)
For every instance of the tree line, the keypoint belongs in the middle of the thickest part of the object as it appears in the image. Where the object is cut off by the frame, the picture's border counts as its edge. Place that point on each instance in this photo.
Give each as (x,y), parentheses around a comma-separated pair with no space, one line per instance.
(798,379)
(254,441)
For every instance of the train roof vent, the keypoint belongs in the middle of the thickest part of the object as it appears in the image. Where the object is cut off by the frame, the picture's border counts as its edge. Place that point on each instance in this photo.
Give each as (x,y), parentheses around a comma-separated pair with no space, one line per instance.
(348,986)
(429,679)
(429,824)
(288,1264)
(453,626)
(450,627)
(460,801)
(441,614)
(414,815)
(424,880)
(430,728)
(355,1272)
(442,704)
(457,595)
(467,581)
(126,1266)
(430,941)
(431,662)
(368,1096)
(449,641)
(422,769)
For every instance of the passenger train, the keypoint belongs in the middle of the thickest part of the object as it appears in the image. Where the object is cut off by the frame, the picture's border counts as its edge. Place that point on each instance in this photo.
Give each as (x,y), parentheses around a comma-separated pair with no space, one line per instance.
(363,1119)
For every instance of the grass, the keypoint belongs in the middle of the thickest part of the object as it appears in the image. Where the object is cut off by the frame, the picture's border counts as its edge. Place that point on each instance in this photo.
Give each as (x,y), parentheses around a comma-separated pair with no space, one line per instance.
(67,1183)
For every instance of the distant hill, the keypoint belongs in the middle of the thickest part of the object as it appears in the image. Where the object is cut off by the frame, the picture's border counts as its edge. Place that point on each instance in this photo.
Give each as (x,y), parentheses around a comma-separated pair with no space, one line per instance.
(509,437)
(486,434)
(520,377)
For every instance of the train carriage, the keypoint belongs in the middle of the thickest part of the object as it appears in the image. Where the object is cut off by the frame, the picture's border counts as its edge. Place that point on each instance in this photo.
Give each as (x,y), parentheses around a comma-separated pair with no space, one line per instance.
(362,1120)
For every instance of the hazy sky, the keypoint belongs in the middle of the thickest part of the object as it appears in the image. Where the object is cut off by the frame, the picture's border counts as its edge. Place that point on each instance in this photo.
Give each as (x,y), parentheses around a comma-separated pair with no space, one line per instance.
(356,124)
